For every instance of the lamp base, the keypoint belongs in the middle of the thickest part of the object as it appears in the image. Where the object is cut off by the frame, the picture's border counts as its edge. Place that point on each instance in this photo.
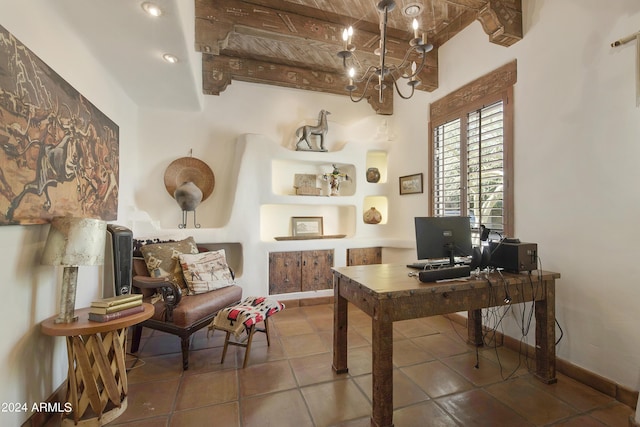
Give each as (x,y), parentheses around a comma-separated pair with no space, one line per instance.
(68,295)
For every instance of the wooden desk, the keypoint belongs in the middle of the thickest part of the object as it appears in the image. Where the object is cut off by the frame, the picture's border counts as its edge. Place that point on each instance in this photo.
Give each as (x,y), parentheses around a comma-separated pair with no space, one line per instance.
(97,378)
(387,294)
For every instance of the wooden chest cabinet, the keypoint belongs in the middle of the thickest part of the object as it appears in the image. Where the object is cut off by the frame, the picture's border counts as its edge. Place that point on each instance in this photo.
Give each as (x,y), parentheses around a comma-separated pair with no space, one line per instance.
(300,271)
(364,256)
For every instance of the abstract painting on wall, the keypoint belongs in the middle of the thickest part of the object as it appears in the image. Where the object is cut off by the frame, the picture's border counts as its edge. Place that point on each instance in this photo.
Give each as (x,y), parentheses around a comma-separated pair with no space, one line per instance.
(59,154)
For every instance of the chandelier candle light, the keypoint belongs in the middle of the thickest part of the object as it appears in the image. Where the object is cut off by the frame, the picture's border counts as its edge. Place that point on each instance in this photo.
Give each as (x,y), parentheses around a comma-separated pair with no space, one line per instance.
(407,69)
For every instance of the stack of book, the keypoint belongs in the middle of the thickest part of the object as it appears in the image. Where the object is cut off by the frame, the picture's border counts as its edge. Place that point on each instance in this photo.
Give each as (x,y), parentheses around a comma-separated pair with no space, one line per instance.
(116,307)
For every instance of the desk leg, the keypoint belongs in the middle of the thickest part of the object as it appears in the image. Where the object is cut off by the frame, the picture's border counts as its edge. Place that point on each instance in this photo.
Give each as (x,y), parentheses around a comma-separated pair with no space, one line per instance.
(474,327)
(340,307)
(546,335)
(382,367)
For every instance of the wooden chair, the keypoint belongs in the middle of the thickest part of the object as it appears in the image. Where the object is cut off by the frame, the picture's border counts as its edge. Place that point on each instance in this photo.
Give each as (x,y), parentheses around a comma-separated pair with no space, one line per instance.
(176,313)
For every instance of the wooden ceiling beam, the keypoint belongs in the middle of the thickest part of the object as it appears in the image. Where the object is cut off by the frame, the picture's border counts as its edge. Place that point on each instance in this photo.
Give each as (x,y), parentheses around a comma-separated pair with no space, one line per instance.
(223,26)
(215,20)
(502,21)
(218,71)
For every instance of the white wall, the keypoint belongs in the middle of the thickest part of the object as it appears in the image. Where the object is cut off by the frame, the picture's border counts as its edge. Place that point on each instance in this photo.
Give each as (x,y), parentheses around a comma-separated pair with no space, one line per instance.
(576,144)
(32,365)
(577,141)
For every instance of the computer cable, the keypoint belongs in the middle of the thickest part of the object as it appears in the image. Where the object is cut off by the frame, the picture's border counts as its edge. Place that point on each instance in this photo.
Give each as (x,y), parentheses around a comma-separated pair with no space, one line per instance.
(507,297)
(555,319)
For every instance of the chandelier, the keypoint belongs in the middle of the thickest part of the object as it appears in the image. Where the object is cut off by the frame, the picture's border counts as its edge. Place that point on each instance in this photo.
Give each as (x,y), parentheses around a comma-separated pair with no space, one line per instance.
(407,70)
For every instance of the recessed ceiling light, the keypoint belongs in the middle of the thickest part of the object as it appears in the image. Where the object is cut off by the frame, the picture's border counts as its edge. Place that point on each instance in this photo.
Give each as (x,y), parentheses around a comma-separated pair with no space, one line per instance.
(412,9)
(172,59)
(151,9)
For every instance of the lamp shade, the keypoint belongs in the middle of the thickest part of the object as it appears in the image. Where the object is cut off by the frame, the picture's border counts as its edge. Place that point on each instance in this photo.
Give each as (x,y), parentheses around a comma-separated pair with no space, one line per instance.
(75,241)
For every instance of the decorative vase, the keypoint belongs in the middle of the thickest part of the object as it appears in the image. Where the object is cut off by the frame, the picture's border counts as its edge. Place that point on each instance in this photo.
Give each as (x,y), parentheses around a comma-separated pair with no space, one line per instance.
(188,196)
(372,216)
(373,175)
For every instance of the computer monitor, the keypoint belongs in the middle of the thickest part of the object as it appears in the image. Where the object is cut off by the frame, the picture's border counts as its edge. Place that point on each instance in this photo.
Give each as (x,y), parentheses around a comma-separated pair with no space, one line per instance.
(443,237)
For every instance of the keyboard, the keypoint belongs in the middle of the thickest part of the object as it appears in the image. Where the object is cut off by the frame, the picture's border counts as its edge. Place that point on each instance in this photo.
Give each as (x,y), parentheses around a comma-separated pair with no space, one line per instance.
(422,265)
(444,273)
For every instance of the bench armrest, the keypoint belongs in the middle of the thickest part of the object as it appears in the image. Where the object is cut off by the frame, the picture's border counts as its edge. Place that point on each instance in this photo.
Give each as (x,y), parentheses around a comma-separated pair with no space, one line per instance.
(171,293)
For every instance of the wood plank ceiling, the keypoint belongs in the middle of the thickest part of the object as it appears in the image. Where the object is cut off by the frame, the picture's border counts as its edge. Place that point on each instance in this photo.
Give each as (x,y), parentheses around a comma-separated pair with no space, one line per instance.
(294,43)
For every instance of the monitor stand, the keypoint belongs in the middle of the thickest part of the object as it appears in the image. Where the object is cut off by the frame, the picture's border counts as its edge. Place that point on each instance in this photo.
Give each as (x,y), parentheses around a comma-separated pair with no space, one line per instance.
(450,248)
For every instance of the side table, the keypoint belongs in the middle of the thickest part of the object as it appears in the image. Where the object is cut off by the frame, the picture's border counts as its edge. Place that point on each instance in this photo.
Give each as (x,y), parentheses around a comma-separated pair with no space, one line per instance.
(97,378)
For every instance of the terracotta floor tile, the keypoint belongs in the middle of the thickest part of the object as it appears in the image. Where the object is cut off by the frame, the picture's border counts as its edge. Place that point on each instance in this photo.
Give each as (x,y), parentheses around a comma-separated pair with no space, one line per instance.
(423,414)
(614,414)
(413,328)
(292,382)
(405,391)
(164,367)
(314,369)
(210,388)
(282,409)
(293,328)
(478,408)
(537,406)
(511,363)
(147,422)
(227,415)
(335,401)
(440,345)
(266,378)
(405,353)
(577,395)
(359,360)
(150,399)
(436,379)
(304,345)
(478,370)
(582,421)
(208,359)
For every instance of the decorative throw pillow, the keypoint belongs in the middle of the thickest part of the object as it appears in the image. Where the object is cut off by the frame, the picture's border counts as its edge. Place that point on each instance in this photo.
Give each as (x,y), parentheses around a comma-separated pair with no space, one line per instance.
(206,271)
(163,259)
(139,243)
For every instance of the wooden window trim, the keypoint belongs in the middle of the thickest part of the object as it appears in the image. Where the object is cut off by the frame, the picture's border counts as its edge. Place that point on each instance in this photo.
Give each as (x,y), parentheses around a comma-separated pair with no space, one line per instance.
(485,90)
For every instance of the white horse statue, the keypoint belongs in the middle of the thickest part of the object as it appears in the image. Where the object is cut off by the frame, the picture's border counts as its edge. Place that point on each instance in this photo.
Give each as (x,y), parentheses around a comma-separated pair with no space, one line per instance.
(304,132)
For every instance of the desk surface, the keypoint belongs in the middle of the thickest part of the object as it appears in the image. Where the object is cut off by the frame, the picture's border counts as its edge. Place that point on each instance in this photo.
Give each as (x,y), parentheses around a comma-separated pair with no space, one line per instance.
(393,280)
(84,326)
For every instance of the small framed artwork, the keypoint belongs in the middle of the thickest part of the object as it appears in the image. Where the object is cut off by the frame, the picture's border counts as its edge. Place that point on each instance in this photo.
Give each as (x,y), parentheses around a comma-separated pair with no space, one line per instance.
(411,184)
(306,226)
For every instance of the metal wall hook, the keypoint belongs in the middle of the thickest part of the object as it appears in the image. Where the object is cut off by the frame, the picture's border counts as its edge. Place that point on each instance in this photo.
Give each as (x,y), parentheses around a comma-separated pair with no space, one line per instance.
(184,220)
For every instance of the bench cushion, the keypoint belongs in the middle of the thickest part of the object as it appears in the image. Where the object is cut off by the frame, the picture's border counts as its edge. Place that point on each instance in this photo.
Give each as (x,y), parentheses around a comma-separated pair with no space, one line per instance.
(193,308)
(246,314)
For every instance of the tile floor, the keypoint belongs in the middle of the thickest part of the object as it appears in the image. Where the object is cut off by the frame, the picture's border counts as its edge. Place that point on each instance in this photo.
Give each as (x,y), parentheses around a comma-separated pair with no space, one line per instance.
(291,383)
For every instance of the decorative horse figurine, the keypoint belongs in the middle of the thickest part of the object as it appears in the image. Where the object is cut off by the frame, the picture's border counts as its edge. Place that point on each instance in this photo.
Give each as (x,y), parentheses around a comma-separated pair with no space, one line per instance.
(304,132)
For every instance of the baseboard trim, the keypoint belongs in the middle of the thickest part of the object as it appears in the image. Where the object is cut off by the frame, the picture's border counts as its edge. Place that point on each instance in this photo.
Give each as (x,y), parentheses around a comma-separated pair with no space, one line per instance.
(621,394)
(57,399)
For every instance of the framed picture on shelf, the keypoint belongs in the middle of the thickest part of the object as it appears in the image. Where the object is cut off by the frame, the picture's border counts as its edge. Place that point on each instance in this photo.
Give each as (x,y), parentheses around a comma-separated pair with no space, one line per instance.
(306,226)
(411,184)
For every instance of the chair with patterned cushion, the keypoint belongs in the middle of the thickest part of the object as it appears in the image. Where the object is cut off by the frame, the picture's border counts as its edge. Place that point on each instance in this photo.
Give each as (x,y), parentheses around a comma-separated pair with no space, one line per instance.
(182,308)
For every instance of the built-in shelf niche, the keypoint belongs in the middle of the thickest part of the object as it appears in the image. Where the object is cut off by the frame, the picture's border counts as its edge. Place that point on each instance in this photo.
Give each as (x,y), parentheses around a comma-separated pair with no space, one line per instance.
(378,159)
(380,203)
(275,219)
(233,253)
(283,174)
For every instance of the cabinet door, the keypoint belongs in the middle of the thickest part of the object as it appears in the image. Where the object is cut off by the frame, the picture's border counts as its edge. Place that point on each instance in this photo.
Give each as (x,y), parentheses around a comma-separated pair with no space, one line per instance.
(316,270)
(364,256)
(284,272)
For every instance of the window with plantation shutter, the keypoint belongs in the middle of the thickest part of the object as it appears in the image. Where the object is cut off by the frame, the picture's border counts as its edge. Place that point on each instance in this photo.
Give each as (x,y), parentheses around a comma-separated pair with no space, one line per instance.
(470,153)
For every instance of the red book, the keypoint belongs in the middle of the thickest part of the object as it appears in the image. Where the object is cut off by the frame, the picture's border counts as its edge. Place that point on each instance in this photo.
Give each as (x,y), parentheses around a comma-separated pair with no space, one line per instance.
(95,317)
